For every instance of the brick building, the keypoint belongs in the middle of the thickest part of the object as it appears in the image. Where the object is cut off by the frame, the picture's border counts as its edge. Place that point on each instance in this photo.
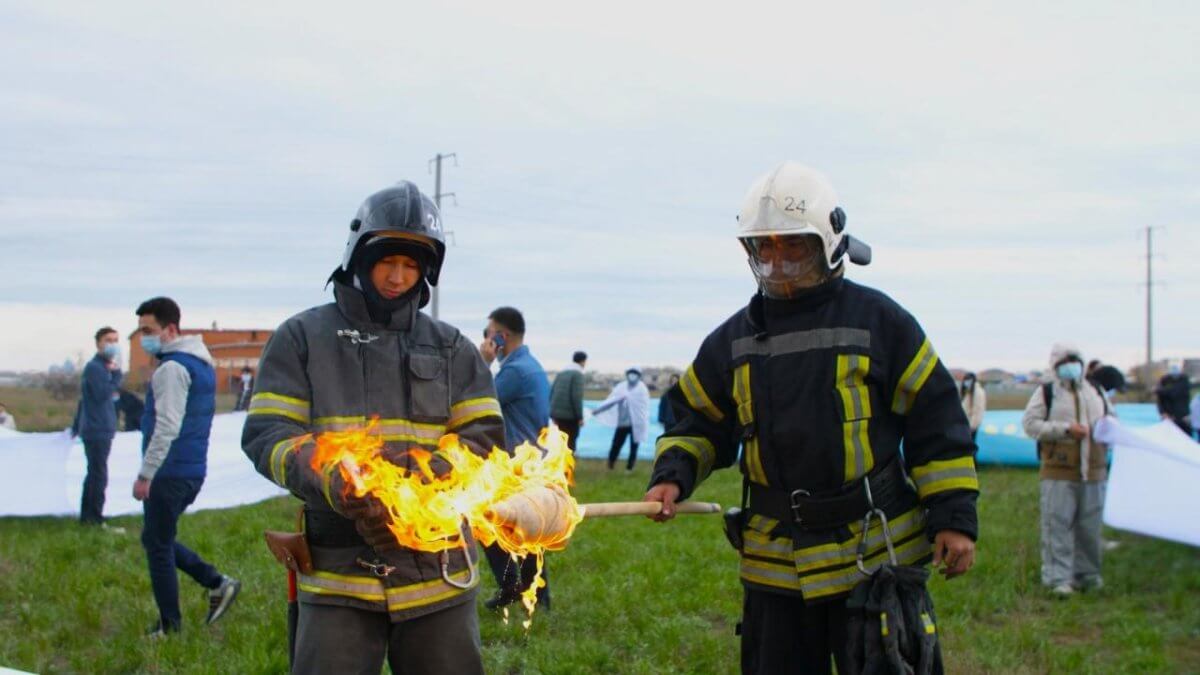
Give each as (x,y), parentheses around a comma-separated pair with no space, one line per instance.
(231,349)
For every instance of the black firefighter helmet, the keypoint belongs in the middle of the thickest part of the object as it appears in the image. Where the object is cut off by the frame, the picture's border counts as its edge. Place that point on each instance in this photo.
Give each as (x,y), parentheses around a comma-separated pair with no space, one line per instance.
(397,212)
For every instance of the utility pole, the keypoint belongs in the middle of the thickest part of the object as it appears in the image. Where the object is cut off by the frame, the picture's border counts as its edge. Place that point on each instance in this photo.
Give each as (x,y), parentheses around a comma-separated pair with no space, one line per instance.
(437,200)
(1149,303)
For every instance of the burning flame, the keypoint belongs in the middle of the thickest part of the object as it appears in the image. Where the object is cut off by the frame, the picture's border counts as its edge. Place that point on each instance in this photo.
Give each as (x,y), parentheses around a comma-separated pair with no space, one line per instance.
(522,501)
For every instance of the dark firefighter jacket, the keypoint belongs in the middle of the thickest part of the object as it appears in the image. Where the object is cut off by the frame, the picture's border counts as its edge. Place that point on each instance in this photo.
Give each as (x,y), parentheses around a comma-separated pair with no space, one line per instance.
(816,392)
(331,368)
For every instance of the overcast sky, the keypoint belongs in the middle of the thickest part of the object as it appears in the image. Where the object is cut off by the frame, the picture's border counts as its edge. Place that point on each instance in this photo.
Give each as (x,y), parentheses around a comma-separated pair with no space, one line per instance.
(1000,158)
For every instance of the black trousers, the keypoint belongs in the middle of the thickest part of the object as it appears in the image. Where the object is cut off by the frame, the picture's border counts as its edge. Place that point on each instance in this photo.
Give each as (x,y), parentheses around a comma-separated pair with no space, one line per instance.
(571,427)
(91,508)
(618,441)
(782,634)
(350,641)
(513,579)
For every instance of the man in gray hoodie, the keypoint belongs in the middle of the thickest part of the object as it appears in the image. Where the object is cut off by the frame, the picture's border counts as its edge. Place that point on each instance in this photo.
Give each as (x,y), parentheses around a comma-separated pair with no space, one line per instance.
(180,402)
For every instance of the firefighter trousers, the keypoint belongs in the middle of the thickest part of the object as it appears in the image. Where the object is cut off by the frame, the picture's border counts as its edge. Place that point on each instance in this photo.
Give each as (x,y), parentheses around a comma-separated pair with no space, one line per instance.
(782,634)
(352,641)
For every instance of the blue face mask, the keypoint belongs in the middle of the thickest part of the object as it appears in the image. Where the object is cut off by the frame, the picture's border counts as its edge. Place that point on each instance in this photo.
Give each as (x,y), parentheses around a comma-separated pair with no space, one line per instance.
(152,344)
(1071,370)
(111,351)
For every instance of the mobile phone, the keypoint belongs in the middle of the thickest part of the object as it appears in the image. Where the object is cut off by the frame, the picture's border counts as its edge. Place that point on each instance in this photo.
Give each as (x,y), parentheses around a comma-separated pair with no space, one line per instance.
(498,340)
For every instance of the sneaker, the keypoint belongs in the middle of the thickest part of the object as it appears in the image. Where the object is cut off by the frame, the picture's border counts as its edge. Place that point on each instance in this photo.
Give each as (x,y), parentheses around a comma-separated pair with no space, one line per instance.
(1063,590)
(221,597)
(1093,584)
(1110,544)
(112,529)
(158,630)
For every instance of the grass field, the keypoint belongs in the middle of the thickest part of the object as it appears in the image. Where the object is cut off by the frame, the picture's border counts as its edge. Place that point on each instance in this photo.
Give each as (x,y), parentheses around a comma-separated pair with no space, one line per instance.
(630,596)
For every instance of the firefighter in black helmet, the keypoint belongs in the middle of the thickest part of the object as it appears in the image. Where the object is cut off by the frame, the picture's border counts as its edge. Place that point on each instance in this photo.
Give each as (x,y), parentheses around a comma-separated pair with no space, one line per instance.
(817,382)
(371,353)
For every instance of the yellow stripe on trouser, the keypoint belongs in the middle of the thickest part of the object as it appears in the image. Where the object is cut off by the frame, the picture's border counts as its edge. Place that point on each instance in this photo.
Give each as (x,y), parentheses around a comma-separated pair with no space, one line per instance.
(697,398)
(743,397)
(913,378)
(371,589)
(698,447)
(268,403)
(851,386)
(942,475)
(468,411)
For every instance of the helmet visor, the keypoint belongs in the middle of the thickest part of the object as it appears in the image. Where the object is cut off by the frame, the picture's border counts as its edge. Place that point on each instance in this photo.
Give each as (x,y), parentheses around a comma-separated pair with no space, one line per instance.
(786,264)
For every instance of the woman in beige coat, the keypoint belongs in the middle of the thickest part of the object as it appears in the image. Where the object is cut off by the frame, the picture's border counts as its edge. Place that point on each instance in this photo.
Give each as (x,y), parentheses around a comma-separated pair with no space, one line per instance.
(974,402)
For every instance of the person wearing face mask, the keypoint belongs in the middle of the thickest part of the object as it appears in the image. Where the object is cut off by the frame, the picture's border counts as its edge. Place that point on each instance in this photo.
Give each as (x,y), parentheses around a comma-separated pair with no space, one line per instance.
(6,419)
(371,354)
(246,382)
(810,390)
(974,402)
(628,409)
(1060,416)
(180,402)
(1172,395)
(96,421)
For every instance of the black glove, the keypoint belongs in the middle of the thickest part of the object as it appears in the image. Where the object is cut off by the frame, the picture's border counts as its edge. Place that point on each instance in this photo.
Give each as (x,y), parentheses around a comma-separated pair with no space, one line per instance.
(371,520)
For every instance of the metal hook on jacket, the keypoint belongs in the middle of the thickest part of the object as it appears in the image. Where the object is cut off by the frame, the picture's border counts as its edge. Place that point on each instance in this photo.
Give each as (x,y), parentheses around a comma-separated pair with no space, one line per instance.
(444,558)
(355,337)
(872,510)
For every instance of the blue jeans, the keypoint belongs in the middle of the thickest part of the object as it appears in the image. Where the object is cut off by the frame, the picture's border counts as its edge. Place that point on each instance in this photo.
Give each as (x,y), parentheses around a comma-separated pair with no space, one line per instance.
(166,503)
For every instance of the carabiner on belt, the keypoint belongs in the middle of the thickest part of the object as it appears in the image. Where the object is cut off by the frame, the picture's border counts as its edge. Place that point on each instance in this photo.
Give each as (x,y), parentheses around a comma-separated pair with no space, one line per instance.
(378,568)
(872,510)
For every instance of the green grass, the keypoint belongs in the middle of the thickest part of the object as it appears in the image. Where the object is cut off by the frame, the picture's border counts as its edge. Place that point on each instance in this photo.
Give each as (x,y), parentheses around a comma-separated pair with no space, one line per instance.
(630,596)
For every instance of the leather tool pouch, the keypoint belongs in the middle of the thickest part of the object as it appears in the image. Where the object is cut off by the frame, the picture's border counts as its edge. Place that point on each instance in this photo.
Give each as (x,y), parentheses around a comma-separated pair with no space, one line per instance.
(290,548)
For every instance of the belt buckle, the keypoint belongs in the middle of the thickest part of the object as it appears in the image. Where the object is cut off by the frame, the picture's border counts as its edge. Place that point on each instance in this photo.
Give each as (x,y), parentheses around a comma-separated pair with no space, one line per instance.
(795,503)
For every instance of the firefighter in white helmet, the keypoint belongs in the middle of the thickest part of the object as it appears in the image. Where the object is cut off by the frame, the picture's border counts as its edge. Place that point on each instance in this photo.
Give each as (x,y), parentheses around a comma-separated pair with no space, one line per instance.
(810,390)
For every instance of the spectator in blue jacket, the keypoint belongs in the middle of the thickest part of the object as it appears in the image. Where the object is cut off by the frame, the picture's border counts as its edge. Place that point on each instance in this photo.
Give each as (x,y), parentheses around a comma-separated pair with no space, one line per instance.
(524,393)
(180,402)
(96,421)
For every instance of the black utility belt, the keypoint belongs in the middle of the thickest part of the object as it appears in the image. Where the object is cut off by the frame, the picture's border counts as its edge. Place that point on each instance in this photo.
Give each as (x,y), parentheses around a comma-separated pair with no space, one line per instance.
(881,489)
(326,528)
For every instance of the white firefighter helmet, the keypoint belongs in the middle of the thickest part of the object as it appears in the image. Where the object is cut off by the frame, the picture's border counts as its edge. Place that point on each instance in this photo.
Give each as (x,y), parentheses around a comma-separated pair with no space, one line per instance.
(793,199)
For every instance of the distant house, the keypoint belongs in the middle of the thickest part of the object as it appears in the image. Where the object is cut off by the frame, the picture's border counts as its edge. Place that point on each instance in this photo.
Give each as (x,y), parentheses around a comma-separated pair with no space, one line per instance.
(231,349)
(995,376)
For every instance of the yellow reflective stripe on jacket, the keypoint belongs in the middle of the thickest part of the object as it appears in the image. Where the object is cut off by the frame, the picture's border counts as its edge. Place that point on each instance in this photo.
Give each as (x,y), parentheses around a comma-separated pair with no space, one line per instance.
(372,589)
(764,546)
(763,573)
(267,403)
(698,447)
(913,378)
(468,411)
(851,387)
(277,462)
(844,552)
(426,593)
(942,475)
(328,583)
(697,398)
(744,399)
(930,629)
(842,580)
(394,429)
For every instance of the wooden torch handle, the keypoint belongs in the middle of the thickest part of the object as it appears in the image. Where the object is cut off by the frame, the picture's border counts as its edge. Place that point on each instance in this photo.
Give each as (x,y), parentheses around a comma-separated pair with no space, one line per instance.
(604,509)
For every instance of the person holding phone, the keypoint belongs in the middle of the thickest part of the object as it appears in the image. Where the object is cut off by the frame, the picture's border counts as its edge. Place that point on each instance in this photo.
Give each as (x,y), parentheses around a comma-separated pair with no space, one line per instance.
(524,393)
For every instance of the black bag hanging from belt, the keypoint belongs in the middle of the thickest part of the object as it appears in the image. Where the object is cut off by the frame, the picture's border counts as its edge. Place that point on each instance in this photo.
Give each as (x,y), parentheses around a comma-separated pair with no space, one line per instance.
(891,627)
